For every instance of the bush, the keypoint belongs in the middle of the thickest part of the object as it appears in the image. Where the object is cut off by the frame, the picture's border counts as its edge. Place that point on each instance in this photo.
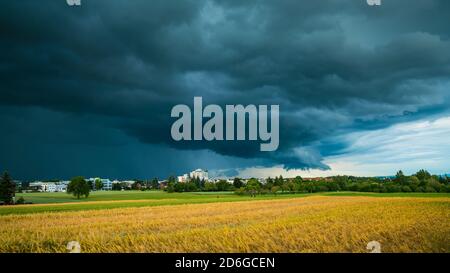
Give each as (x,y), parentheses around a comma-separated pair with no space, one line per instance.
(322,188)
(393,188)
(20,201)
(240,191)
(274,189)
(406,189)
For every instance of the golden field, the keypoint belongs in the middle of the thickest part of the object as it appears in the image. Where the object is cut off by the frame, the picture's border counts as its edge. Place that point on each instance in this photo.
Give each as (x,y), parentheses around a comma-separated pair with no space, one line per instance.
(311,224)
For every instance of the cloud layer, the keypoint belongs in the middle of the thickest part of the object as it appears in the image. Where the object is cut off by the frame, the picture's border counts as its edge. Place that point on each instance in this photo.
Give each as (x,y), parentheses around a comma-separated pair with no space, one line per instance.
(408,146)
(334,67)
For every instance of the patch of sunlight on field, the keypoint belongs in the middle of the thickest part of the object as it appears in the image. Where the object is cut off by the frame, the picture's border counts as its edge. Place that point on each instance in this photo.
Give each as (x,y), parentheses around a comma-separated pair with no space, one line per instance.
(312,224)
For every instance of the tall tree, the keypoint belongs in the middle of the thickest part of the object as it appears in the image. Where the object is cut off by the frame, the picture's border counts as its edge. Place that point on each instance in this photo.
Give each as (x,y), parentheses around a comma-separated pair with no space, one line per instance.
(298,179)
(223,185)
(78,187)
(171,183)
(400,178)
(423,175)
(137,185)
(154,184)
(91,185)
(7,189)
(237,183)
(269,183)
(278,181)
(98,184)
(252,186)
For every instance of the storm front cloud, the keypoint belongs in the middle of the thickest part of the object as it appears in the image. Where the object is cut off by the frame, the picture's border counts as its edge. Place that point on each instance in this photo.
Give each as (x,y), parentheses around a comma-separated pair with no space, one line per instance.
(88,90)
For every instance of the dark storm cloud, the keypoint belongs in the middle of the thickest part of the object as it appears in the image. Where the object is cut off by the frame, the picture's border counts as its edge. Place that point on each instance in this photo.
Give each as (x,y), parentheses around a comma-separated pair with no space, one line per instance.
(330,65)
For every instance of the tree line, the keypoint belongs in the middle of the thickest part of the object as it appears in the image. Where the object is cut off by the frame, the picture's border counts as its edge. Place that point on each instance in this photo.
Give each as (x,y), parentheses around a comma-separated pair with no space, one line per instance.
(197,184)
(422,181)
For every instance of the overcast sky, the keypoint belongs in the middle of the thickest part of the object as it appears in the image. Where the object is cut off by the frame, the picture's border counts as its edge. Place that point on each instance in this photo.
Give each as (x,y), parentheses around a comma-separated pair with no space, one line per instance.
(88,90)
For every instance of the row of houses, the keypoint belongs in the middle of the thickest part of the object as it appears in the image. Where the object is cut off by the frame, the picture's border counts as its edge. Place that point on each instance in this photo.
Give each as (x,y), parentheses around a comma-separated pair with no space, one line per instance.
(107,184)
(61,186)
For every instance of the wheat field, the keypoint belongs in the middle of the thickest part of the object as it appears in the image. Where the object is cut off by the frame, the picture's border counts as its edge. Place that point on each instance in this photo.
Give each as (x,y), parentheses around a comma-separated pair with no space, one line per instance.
(312,224)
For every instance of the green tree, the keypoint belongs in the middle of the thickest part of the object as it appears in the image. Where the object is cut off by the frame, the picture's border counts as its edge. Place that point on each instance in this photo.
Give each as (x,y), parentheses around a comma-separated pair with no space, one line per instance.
(278,181)
(433,183)
(137,185)
(154,183)
(91,184)
(240,191)
(364,187)
(269,183)
(423,175)
(7,189)
(393,188)
(298,180)
(171,182)
(20,201)
(413,180)
(210,186)
(98,184)
(78,187)
(333,186)
(252,187)
(406,189)
(186,186)
(292,186)
(199,183)
(284,187)
(447,188)
(237,183)
(116,187)
(274,190)
(342,181)
(400,178)
(223,185)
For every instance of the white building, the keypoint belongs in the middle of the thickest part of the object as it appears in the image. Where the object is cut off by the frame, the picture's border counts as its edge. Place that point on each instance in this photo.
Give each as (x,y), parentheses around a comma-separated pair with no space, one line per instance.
(106,183)
(40,186)
(128,183)
(61,187)
(183,178)
(199,173)
(50,186)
